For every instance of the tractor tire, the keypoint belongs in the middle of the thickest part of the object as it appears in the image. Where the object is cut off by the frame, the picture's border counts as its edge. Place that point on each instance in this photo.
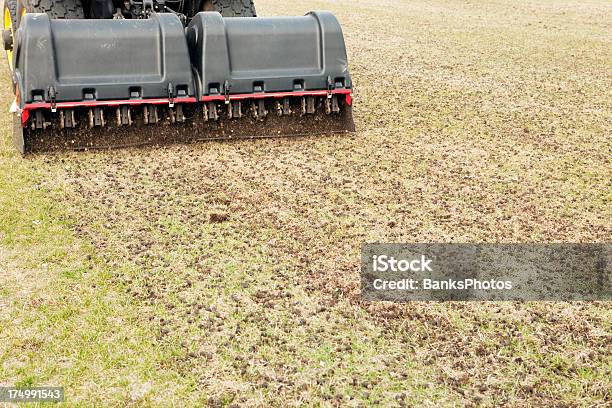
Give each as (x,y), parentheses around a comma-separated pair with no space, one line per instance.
(11,6)
(231,8)
(62,9)
(9,22)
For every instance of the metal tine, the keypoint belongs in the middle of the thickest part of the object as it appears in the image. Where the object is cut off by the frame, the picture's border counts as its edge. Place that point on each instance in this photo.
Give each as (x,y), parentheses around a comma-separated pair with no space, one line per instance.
(180,115)
(38,121)
(176,114)
(153,116)
(99,117)
(310,105)
(150,114)
(95,117)
(335,107)
(236,108)
(212,111)
(127,114)
(124,115)
(261,108)
(286,106)
(278,108)
(66,118)
(71,118)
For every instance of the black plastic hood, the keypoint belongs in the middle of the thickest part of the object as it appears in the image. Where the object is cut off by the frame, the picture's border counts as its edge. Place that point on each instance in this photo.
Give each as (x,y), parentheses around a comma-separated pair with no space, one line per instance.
(271,54)
(75,60)
(107,60)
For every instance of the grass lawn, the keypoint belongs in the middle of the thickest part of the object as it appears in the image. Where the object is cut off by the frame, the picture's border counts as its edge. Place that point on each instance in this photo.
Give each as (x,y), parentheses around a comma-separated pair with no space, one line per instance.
(227,273)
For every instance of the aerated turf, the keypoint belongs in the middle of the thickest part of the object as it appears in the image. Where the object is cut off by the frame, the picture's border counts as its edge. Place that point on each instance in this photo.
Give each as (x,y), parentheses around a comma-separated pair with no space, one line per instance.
(228,272)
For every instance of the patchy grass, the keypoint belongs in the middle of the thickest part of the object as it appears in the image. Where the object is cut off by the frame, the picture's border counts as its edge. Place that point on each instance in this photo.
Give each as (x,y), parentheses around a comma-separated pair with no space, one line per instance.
(63,322)
(227,273)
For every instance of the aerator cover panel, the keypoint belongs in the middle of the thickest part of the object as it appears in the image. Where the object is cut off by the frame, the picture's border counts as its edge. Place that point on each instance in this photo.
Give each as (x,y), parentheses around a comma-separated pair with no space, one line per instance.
(80,60)
(271,54)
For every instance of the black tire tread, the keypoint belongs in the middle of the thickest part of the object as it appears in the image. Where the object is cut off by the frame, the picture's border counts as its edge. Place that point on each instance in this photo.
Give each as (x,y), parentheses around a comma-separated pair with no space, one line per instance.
(12,6)
(61,9)
(235,8)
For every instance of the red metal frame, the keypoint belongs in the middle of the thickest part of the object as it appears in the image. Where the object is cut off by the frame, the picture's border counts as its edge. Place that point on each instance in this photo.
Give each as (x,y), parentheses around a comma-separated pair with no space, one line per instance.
(25,113)
(262,95)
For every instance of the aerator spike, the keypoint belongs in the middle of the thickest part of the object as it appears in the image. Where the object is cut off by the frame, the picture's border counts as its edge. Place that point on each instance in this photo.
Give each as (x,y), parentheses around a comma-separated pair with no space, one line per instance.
(124,116)
(212,111)
(279,108)
(39,120)
(310,105)
(261,108)
(150,114)
(286,106)
(66,118)
(335,108)
(180,116)
(236,109)
(95,117)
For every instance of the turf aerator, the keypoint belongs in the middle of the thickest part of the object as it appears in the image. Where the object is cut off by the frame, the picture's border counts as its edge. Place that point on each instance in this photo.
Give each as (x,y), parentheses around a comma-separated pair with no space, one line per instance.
(107,74)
